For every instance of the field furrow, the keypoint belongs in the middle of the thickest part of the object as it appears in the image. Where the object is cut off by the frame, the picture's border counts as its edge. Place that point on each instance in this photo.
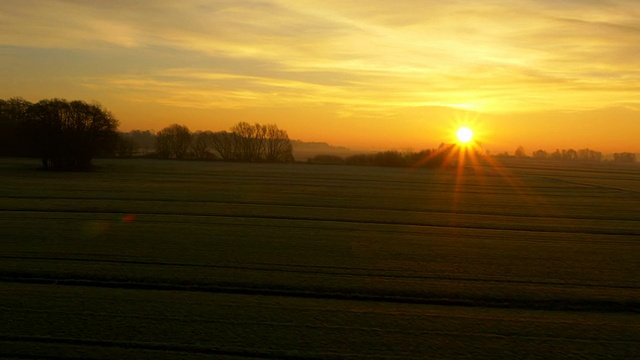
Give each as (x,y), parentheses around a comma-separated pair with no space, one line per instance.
(163,259)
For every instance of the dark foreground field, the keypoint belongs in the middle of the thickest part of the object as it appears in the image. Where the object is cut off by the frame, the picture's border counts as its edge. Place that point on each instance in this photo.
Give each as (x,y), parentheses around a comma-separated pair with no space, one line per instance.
(180,260)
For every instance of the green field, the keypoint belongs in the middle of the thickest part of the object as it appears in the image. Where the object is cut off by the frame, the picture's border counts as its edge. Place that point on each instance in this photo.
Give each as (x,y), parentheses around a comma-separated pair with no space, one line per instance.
(179,260)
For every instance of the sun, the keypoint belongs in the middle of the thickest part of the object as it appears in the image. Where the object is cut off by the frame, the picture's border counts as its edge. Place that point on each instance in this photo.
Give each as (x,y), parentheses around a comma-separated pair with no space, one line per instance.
(465,135)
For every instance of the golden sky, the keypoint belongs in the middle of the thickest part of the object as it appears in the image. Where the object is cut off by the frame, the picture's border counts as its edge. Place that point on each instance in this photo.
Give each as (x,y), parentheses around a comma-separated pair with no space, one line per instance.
(367,74)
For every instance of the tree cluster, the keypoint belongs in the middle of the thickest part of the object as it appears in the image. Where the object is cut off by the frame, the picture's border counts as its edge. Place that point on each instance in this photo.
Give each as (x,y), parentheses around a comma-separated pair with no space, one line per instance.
(173,142)
(432,158)
(65,135)
(624,157)
(586,155)
(245,142)
(135,143)
(570,154)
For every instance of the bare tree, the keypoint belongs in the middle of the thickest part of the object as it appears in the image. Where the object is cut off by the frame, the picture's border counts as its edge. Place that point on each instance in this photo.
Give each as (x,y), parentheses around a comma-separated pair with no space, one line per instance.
(202,145)
(263,143)
(223,144)
(173,141)
(245,142)
(277,146)
(249,141)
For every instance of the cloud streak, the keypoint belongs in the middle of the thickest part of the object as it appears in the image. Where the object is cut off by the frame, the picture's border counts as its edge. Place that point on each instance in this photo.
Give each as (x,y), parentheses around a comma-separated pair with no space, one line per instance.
(361,56)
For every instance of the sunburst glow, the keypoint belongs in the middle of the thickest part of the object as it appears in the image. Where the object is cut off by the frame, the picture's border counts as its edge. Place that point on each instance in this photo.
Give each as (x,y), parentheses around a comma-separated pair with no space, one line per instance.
(465,135)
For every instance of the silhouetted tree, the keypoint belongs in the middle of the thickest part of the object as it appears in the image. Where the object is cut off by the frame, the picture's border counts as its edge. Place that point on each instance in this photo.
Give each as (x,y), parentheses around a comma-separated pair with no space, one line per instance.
(145,141)
(245,142)
(624,157)
(202,145)
(173,142)
(224,144)
(540,154)
(418,158)
(277,146)
(519,153)
(569,154)
(14,139)
(389,159)
(125,146)
(443,156)
(256,142)
(249,141)
(589,155)
(67,135)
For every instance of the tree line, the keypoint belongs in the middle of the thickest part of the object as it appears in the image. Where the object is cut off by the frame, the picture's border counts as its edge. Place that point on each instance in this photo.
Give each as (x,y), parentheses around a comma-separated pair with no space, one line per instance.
(244,142)
(445,154)
(587,155)
(448,154)
(67,135)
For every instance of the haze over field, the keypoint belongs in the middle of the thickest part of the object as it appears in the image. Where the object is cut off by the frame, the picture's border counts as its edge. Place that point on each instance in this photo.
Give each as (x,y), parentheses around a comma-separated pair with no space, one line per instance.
(363,74)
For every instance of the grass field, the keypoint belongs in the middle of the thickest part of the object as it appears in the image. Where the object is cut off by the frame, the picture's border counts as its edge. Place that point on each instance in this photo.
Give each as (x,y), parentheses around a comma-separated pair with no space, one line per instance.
(164,259)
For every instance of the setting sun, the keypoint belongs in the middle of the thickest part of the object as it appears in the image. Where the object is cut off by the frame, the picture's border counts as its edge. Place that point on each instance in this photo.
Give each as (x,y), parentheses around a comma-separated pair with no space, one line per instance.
(464,135)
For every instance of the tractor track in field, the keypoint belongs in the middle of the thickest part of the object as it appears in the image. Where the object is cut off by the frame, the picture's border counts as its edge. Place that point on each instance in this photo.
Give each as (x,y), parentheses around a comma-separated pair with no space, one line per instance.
(259,353)
(573,303)
(316,270)
(484,211)
(632,230)
(177,348)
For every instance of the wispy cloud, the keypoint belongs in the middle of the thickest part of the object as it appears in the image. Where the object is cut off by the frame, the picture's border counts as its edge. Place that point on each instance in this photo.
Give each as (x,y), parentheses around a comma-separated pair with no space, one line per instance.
(493,56)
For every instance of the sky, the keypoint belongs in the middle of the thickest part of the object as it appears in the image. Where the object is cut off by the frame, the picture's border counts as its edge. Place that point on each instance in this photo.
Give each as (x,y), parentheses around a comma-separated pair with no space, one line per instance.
(366,74)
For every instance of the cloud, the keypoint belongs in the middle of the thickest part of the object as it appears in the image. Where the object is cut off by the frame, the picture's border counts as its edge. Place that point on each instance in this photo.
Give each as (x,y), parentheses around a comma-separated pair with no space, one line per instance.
(368,56)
